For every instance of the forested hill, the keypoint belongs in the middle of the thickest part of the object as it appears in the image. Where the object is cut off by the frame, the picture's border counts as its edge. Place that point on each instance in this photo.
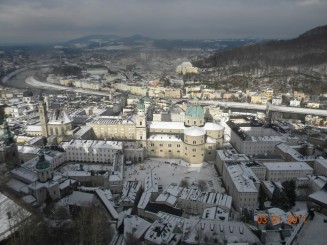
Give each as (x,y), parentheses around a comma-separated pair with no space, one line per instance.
(284,65)
(308,49)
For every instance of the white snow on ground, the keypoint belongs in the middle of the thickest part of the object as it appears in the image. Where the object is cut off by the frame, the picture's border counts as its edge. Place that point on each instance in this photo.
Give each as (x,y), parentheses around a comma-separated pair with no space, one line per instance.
(299,205)
(313,231)
(11,216)
(173,171)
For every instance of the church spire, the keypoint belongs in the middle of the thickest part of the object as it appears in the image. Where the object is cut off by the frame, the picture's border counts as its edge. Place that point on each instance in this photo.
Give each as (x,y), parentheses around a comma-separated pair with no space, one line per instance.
(7,137)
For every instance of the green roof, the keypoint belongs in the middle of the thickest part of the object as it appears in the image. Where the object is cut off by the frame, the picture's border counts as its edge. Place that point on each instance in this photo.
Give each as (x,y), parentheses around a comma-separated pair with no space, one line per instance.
(7,136)
(141,105)
(42,163)
(194,111)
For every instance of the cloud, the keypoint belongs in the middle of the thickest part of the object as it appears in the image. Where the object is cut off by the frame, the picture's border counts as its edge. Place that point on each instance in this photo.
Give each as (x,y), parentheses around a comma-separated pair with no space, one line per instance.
(53,20)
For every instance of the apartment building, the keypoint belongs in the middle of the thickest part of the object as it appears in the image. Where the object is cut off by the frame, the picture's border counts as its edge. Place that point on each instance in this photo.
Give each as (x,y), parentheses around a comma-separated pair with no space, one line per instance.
(242,184)
(283,171)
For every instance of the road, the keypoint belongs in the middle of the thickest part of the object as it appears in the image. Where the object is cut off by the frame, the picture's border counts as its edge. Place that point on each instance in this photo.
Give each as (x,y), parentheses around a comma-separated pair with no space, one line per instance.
(249,106)
(306,111)
(31,81)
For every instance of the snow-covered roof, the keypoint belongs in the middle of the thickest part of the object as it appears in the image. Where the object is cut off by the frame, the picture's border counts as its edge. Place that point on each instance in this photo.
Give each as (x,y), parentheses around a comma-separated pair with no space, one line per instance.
(287,166)
(59,116)
(243,178)
(33,128)
(164,137)
(144,200)
(17,186)
(167,199)
(112,120)
(231,155)
(217,231)
(78,198)
(166,125)
(212,126)
(98,144)
(135,226)
(108,205)
(25,174)
(194,131)
(25,149)
(215,213)
(161,232)
(130,190)
(320,196)
(151,182)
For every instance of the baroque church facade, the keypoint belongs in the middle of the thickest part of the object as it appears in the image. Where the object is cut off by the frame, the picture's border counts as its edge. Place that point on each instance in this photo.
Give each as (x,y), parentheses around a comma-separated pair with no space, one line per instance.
(193,140)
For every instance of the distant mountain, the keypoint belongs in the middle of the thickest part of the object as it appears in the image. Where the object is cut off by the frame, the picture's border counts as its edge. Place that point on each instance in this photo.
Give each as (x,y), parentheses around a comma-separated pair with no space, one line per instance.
(309,48)
(92,39)
(300,61)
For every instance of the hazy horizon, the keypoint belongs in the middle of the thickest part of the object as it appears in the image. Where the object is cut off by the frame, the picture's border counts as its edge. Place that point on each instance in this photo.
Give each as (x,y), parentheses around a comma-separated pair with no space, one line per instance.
(45,21)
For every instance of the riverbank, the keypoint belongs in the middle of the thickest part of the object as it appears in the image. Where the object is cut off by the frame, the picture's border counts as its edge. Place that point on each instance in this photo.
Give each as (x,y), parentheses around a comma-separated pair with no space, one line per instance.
(31,81)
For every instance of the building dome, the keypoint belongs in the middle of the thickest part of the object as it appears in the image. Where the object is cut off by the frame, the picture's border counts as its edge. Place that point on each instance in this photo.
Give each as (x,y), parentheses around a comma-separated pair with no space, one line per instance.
(140,105)
(194,131)
(7,137)
(42,163)
(194,111)
(28,93)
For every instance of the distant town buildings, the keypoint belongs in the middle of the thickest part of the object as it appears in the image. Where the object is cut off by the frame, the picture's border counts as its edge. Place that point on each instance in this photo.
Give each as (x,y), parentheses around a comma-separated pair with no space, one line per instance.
(186,68)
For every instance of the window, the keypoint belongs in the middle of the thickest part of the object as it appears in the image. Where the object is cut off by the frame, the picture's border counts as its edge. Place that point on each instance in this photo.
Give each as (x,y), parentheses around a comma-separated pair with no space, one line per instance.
(194,122)
(140,123)
(194,150)
(178,145)
(169,151)
(161,145)
(169,145)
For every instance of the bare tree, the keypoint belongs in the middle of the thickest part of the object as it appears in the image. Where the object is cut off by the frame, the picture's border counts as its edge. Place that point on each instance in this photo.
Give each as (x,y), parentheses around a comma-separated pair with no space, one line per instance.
(131,239)
(92,226)
(184,183)
(202,185)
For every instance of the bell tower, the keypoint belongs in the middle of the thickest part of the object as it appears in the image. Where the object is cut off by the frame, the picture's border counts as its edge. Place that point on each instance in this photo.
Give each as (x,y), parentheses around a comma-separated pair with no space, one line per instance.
(43,116)
(141,121)
(8,148)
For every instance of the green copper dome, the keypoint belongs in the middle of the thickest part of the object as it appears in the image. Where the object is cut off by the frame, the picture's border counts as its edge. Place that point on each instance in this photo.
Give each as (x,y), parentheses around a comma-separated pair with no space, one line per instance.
(140,105)
(42,163)
(194,111)
(7,136)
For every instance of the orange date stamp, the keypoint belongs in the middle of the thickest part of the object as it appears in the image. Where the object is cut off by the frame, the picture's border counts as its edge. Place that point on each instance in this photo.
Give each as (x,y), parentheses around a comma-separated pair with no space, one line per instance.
(277,219)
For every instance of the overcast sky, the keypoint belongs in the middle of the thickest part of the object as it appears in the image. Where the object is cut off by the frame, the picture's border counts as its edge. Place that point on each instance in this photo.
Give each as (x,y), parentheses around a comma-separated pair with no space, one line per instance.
(61,20)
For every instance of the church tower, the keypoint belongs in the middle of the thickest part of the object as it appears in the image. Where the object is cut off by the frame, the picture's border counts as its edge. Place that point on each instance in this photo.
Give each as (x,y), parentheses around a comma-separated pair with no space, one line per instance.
(43,116)
(8,148)
(141,122)
(43,168)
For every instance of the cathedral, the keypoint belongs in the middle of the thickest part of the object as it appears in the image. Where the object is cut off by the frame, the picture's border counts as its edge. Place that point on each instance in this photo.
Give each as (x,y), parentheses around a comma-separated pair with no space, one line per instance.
(193,140)
(57,123)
